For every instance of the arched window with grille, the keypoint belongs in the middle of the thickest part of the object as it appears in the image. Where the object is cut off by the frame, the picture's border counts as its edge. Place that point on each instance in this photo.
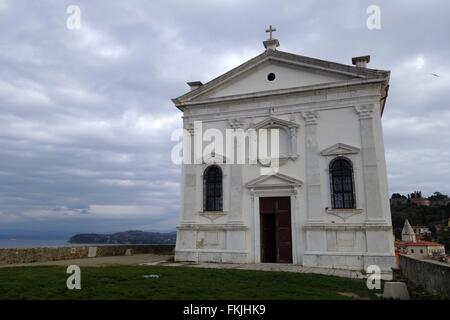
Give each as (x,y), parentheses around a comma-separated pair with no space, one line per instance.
(342,186)
(212,189)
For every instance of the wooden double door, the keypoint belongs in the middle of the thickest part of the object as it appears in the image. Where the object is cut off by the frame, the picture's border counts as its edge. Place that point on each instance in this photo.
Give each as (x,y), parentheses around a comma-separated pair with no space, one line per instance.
(276,232)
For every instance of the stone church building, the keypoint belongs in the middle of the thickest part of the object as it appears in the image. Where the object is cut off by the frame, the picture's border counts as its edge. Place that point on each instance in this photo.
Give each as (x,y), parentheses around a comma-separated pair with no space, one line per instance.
(327,204)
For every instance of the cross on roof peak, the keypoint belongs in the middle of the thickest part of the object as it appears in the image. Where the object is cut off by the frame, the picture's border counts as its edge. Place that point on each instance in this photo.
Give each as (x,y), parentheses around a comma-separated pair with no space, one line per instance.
(270,30)
(271,43)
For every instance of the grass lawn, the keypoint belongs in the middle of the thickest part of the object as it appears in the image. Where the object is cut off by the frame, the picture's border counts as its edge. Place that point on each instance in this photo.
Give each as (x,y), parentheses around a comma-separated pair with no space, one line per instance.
(127,282)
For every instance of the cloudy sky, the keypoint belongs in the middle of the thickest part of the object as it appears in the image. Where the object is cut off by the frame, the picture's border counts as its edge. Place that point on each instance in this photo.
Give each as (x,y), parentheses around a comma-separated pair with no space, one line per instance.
(86,116)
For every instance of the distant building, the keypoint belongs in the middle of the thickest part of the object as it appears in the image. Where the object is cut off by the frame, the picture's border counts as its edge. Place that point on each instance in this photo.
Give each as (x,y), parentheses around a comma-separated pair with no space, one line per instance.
(419,229)
(439,203)
(422,232)
(420,248)
(436,200)
(439,200)
(421,202)
(417,199)
(409,245)
(408,234)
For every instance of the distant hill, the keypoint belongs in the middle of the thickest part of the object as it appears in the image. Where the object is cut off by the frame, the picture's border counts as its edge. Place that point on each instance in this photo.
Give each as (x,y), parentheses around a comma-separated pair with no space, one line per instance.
(127,237)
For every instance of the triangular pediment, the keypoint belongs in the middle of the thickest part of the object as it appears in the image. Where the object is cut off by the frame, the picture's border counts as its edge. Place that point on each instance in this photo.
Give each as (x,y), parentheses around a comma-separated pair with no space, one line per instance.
(287,76)
(274,180)
(291,72)
(339,149)
(213,158)
(270,121)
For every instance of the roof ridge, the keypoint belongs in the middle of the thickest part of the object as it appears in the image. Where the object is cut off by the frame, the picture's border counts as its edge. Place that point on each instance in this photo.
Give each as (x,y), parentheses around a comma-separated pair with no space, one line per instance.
(333,63)
(314,62)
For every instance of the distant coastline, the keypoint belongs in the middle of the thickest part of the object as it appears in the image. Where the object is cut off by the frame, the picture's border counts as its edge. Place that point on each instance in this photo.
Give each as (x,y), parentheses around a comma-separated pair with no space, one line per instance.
(32,243)
(84,239)
(39,243)
(127,237)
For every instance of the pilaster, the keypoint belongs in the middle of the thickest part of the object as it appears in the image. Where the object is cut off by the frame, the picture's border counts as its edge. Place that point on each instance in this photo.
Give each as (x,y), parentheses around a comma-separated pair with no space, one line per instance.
(313,188)
(370,170)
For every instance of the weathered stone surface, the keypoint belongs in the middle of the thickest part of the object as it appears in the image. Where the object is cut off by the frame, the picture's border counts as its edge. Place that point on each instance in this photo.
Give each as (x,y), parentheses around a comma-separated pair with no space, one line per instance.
(27,255)
(433,276)
(395,290)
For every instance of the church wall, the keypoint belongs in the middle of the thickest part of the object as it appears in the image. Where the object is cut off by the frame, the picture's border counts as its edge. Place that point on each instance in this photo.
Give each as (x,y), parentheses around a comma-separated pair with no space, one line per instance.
(233,236)
(340,126)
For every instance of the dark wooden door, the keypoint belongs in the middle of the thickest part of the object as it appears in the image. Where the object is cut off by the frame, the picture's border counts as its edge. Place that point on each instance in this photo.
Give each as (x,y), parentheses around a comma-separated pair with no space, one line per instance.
(276,234)
(268,238)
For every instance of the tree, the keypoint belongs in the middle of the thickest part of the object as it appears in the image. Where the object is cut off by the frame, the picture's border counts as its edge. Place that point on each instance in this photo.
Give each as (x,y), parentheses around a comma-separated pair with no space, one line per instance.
(437,196)
(443,237)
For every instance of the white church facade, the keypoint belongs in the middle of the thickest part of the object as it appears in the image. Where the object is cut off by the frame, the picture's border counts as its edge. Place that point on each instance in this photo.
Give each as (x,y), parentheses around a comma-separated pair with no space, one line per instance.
(327,204)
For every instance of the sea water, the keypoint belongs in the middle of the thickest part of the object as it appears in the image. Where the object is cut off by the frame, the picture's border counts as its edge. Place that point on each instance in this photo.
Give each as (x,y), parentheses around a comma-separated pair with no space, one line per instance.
(21,243)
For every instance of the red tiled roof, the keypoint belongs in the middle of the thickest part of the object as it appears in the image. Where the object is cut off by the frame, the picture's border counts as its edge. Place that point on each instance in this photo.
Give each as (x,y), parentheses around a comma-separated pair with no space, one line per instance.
(418,244)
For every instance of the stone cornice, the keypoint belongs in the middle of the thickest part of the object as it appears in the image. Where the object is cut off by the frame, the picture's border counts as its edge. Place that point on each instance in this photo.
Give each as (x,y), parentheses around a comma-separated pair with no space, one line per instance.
(347,227)
(212,227)
(268,93)
(251,112)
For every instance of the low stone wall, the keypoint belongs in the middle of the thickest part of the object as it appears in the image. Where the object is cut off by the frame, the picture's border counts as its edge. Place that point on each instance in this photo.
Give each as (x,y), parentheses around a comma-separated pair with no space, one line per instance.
(434,277)
(28,255)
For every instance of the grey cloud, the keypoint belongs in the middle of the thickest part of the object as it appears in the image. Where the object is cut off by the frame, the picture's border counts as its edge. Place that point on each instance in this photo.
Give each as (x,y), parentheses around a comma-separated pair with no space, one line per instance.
(86,117)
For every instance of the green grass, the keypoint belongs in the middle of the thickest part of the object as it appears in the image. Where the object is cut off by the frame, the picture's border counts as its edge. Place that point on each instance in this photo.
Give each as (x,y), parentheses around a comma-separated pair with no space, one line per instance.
(127,282)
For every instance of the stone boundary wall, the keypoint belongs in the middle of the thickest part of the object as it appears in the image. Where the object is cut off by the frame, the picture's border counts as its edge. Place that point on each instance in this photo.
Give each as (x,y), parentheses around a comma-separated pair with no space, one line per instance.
(28,255)
(433,276)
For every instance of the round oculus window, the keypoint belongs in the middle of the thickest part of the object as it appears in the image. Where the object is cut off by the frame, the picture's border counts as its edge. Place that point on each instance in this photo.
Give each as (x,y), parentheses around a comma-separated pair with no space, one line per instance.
(271,76)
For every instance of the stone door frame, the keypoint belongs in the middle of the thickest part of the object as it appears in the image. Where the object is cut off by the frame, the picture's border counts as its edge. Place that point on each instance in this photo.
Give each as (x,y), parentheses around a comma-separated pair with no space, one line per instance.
(281,192)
